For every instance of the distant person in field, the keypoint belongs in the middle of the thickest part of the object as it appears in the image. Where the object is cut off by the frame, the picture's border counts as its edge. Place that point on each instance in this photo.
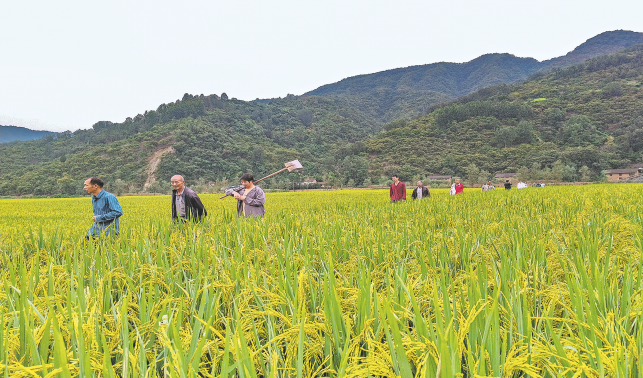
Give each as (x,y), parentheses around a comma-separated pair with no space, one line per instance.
(398,190)
(421,191)
(186,204)
(507,185)
(251,202)
(106,208)
(488,186)
(459,188)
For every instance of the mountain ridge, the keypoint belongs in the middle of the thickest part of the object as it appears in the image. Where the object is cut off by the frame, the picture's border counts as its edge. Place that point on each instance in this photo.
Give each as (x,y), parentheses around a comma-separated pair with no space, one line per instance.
(408,92)
(446,80)
(602,44)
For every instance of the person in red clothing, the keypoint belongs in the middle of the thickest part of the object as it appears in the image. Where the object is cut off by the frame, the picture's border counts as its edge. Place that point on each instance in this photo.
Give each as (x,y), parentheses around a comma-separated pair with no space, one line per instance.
(458,187)
(398,190)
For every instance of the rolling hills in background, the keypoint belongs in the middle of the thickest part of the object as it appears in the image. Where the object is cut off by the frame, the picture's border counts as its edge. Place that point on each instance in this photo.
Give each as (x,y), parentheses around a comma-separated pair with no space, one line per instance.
(588,115)
(205,137)
(409,92)
(404,92)
(15,133)
(566,123)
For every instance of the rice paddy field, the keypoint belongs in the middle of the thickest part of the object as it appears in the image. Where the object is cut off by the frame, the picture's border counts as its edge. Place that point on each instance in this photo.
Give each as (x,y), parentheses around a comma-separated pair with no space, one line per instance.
(522,283)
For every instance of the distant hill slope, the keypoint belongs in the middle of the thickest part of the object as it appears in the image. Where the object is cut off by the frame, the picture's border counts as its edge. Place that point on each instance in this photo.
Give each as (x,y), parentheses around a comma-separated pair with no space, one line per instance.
(602,44)
(409,92)
(569,124)
(16,133)
(451,79)
(212,139)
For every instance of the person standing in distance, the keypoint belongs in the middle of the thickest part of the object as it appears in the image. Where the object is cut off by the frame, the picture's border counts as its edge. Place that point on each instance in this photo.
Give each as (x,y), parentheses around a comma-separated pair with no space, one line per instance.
(251,202)
(398,190)
(507,184)
(106,208)
(421,191)
(459,188)
(488,186)
(186,204)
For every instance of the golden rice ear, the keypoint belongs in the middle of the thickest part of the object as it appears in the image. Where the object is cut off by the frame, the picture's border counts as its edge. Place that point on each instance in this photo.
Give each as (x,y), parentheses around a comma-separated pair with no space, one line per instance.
(329,283)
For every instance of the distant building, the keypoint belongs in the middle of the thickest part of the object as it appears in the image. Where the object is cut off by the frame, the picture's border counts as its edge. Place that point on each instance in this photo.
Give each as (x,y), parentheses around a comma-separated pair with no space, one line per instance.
(439,177)
(505,176)
(616,175)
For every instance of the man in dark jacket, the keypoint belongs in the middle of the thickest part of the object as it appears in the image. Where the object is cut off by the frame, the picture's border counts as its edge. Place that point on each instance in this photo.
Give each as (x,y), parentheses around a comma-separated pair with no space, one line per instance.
(421,191)
(186,204)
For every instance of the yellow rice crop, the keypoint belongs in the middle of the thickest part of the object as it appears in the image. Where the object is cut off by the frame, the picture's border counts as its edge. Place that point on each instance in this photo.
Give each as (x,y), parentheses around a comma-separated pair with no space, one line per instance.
(537,282)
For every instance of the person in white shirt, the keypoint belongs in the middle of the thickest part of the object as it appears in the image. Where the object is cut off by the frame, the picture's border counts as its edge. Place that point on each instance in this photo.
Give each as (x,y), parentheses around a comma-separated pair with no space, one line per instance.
(421,191)
(488,186)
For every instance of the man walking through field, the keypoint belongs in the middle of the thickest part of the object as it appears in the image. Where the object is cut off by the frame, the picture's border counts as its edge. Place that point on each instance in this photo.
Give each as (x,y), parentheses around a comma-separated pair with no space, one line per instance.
(106,208)
(398,190)
(186,204)
(421,191)
(488,186)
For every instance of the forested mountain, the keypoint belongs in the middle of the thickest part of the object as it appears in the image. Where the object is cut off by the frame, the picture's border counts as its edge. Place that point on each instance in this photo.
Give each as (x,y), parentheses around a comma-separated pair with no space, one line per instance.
(13,133)
(567,125)
(204,138)
(409,92)
(451,79)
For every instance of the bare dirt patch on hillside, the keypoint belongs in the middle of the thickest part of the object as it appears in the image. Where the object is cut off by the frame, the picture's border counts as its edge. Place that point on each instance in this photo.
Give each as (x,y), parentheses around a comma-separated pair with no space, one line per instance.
(153,163)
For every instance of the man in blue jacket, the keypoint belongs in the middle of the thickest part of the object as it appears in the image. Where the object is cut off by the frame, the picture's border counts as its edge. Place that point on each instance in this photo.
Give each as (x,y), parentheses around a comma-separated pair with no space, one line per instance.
(107,210)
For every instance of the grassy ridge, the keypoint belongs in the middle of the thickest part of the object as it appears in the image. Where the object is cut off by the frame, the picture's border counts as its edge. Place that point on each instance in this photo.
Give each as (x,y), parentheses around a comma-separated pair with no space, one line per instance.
(545,282)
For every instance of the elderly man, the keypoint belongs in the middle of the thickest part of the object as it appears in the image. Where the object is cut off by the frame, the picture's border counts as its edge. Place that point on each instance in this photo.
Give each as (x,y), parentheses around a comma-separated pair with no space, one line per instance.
(106,208)
(421,191)
(186,204)
(488,186)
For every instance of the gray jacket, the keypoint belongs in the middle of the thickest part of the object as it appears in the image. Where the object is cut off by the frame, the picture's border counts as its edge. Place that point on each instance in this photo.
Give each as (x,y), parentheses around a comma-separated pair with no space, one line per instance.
(255,200)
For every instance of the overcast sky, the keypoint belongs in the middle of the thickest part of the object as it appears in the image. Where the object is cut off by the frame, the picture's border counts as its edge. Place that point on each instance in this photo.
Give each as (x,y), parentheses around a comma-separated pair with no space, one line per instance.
(65,65)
